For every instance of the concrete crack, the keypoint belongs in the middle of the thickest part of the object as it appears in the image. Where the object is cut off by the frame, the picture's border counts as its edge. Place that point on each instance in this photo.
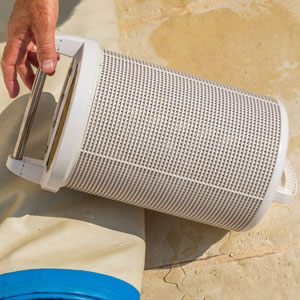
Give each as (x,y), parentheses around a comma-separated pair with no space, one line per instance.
(169,13)
(239,255)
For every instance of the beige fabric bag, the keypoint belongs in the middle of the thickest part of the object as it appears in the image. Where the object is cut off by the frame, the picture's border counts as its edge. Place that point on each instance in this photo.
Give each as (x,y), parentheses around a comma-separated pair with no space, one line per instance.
(67,230)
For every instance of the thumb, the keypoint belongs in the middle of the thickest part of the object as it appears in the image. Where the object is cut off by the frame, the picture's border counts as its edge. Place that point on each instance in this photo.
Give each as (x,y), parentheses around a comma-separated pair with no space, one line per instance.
(46,51)
(44,18)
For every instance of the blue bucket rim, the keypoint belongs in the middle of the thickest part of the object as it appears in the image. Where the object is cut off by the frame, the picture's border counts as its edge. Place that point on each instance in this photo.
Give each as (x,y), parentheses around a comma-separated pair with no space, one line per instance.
(64,284)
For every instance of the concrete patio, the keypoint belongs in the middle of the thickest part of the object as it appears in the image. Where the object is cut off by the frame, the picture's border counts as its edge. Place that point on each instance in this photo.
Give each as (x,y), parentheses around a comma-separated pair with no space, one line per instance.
(252,45)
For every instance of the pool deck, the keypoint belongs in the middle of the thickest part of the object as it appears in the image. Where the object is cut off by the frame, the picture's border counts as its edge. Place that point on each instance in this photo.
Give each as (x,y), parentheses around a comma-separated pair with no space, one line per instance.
(252,45)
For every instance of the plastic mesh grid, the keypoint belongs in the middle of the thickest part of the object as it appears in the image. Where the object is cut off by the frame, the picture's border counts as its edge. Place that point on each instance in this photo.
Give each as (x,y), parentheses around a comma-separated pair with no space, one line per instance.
(177,143)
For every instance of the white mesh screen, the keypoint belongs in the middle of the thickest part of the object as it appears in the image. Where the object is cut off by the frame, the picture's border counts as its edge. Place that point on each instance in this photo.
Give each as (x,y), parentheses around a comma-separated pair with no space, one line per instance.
(177,143)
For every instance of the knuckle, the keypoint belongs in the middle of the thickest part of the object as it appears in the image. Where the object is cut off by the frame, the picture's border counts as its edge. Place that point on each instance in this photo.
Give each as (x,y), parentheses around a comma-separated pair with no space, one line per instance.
(45,48)
(18,68)
(18,25)
(11,26)
(7,55)
(2,64)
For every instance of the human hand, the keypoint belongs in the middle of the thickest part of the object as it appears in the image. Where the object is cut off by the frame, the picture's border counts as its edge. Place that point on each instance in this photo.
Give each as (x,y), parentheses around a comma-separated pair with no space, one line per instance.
(31,23)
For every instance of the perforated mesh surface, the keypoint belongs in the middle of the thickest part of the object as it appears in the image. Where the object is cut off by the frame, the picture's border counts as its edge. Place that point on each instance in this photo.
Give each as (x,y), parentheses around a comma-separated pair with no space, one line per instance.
(177,143)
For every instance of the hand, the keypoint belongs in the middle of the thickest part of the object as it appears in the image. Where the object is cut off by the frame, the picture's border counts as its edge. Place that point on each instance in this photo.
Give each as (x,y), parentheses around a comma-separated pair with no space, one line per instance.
(31,23)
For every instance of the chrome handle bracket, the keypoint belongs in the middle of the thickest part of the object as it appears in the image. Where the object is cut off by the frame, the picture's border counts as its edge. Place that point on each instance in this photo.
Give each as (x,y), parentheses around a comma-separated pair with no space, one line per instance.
(29,115)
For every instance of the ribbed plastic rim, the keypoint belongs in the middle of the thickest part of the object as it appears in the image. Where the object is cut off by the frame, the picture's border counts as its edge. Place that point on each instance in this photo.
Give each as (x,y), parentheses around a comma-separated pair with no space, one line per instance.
(64,284)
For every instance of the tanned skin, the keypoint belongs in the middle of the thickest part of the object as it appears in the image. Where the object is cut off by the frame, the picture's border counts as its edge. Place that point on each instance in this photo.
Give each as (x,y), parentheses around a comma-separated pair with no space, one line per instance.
(31,41)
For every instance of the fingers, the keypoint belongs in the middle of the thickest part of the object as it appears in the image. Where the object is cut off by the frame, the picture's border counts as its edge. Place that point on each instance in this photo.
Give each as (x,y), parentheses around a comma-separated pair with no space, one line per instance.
(31,21)
(43,28)
(13,52)
(10,79)
(32,58)
(26,73)
(17,59)
(46,53)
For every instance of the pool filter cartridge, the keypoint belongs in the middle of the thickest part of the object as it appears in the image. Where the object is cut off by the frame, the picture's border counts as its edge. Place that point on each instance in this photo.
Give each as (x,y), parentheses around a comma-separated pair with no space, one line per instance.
(161,139)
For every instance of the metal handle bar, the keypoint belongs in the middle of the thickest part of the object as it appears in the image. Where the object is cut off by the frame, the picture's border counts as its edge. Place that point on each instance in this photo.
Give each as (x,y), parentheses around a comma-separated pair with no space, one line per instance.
(29,115)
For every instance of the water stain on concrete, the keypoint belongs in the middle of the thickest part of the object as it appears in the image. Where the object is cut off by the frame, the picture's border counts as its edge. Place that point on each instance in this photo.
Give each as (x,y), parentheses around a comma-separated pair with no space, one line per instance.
(294,144)
(189,251)
(170,3)
(175,3)
(256,50)
(226,247)
(173,239)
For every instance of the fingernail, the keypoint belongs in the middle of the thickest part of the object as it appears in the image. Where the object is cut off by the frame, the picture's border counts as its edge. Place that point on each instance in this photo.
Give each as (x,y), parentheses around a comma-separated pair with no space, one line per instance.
(47,65)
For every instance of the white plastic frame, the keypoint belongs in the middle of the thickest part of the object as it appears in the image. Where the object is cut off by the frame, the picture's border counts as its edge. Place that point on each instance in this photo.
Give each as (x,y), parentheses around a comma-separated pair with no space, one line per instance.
(88,56)
(275,192)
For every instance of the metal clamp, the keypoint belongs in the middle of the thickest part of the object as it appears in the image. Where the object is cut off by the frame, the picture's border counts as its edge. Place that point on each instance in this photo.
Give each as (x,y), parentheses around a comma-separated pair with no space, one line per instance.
(29,115)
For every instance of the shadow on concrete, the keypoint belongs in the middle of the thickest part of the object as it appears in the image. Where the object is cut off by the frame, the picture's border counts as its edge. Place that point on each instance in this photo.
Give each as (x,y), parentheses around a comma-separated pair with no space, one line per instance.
(20,197)
(66,9)
(169,240)
(172,240)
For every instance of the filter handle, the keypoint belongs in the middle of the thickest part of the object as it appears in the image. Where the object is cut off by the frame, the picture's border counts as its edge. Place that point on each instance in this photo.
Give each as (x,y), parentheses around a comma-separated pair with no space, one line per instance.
(87,56)
(29,115)
(286,193)
(65,44)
